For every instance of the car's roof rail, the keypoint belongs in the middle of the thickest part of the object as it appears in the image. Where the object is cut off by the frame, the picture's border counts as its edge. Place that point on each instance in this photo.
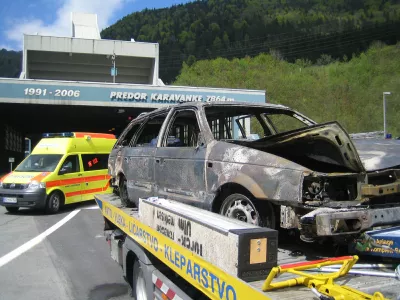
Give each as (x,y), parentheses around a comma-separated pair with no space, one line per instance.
(142,114)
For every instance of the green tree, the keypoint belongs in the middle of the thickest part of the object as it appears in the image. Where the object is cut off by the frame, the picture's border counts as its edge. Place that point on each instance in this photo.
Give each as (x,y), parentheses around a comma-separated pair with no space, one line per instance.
(348,92)
(217,44)
(301,29)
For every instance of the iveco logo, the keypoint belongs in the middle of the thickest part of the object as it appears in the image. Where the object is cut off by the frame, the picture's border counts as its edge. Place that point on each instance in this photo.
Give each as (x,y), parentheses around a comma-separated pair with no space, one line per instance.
(12,185)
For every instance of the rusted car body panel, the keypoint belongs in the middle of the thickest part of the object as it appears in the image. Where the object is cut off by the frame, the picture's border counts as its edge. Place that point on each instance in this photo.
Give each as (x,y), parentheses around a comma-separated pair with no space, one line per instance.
(265,175)
(323,182)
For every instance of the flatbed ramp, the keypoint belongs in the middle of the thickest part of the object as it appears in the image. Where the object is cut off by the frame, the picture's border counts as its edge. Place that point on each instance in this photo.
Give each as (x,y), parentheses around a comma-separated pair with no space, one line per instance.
(214,277)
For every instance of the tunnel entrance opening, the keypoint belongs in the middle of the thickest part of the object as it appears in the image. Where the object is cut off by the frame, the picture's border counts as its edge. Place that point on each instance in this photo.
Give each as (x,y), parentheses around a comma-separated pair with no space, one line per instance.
(20,121)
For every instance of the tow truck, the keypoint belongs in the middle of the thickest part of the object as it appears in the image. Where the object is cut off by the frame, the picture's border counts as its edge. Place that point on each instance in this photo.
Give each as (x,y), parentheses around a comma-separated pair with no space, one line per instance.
(170,250)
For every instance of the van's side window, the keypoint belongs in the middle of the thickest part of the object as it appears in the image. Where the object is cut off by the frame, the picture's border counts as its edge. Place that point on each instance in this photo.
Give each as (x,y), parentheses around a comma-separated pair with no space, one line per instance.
(94,162)
(70,164)
(127,136)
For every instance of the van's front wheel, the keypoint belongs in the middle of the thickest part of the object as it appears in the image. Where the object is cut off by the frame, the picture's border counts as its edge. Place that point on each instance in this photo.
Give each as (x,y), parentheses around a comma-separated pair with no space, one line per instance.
(54,202)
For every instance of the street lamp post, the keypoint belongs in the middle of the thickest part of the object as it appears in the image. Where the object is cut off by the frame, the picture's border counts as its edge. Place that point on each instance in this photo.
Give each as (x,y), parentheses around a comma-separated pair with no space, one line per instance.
(384,113)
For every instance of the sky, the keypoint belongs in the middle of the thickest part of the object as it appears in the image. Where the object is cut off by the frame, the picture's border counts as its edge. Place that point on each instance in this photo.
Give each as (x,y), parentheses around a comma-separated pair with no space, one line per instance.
(53,17)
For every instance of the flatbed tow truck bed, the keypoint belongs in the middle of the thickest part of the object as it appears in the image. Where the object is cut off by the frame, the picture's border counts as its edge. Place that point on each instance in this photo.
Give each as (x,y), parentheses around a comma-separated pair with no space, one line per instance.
(131,221)
(389,287)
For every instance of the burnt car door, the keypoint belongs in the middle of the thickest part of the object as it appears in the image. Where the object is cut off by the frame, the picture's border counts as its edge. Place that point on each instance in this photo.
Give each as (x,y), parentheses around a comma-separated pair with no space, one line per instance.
(180,158)
(115,160)
(139,159)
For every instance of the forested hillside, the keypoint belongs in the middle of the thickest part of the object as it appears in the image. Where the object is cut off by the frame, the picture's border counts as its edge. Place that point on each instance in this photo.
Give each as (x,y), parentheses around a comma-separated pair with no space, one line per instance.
(350,92)
(289,29)
(10,63)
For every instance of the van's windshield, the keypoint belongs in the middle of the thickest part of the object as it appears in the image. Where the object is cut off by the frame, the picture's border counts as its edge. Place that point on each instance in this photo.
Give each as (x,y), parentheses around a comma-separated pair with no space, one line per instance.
(39,163)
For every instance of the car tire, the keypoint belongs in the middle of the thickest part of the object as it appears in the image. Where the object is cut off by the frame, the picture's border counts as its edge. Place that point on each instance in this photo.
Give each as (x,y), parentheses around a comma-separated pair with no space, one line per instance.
(138,282)
(12,209)
(54,202)
(123,192)
(241,207)
(115,191)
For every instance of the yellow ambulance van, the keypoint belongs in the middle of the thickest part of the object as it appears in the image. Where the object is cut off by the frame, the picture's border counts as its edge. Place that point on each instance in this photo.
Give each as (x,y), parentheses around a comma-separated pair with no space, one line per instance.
(63,168)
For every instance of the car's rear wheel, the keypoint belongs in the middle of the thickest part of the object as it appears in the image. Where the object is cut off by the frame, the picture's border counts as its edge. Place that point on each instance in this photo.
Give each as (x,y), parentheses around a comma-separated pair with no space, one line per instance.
(123,192)
(241,207)
(12,209)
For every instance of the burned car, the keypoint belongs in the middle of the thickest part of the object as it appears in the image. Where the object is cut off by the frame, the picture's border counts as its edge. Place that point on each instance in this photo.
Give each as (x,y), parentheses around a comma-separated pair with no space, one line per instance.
(260,163)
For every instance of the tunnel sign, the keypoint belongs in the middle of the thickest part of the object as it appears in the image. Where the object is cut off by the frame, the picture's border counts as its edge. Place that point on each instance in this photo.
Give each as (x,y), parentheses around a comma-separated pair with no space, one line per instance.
(167,97)
(115,94)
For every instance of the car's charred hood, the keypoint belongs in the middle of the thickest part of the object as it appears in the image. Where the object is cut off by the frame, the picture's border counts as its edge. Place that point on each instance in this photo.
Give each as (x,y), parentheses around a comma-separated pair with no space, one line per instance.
(323,147)
(378,154)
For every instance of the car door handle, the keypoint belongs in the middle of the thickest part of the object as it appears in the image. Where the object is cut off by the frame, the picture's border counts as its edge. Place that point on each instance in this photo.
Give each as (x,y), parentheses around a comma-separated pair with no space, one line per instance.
(160,160)
(126,159)
(79,174)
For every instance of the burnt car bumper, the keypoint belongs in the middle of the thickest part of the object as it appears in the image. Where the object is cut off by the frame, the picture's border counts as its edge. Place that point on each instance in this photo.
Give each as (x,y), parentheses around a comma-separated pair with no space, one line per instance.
(334,222)
(25,198)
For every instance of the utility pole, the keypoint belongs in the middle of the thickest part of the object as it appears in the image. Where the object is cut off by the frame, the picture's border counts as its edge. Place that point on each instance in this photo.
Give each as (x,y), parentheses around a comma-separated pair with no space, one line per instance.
(384,113)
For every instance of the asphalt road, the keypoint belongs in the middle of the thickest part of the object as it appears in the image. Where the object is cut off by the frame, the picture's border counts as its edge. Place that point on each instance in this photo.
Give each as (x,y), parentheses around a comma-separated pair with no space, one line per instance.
(73,262)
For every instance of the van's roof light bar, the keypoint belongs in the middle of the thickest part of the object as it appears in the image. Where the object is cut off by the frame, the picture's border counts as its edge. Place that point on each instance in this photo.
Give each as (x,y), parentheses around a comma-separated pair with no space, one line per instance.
(85,135)
(58,134)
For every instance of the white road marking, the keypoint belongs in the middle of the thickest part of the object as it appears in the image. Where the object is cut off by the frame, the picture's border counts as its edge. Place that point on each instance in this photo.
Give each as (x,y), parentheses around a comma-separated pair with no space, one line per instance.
(92,207)
(36,240)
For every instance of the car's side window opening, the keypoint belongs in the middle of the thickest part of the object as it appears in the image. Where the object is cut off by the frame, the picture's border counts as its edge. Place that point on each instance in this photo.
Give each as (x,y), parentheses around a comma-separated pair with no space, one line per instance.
(251,123)
(127,136)
(184,130)
(221,127)
(284,122)
(150,131)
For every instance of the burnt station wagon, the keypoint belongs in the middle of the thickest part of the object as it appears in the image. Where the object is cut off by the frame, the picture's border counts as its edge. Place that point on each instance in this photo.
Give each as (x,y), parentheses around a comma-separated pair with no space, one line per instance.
(260,163)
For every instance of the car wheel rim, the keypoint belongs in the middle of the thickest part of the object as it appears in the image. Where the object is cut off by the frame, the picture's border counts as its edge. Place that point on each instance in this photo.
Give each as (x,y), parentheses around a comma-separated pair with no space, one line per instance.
(242,210)
(55,202)
(140,286)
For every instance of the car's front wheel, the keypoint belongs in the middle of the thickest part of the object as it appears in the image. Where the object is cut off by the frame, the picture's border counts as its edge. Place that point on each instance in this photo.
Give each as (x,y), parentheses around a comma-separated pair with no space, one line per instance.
(241,207)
